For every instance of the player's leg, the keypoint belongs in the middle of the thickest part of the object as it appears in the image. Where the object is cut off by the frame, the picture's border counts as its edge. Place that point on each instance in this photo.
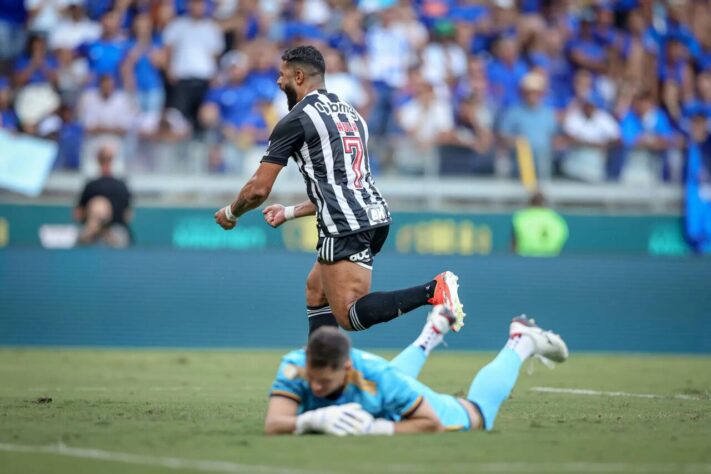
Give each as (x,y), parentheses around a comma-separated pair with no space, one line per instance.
(346,276)
(317,307)
(413,358)
(494,382)
(347,284)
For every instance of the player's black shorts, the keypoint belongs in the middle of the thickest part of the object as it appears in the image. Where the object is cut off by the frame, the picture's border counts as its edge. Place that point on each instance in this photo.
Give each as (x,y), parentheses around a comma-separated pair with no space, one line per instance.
(359,248)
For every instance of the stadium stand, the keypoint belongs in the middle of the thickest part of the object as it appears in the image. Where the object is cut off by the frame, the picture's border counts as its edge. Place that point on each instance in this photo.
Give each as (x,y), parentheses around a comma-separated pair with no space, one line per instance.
(598,97)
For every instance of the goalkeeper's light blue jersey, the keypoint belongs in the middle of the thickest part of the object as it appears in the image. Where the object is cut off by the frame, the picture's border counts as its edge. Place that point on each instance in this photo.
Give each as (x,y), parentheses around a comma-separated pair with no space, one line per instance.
(380,388)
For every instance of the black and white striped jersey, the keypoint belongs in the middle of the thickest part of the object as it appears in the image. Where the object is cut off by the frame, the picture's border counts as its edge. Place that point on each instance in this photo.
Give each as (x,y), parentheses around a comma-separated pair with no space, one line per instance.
(327,138)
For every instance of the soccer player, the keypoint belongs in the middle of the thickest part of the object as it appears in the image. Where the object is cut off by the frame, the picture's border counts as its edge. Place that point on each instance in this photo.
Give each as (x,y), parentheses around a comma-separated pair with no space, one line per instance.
(327,139)
(330,388)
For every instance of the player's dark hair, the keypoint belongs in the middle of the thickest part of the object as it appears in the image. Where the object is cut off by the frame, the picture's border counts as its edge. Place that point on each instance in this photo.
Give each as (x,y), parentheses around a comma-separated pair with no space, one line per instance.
(327,347)
(307,57)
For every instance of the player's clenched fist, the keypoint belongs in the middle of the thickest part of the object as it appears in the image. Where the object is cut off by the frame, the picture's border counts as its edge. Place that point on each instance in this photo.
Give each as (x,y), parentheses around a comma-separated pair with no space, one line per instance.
(225,218)
(274,215)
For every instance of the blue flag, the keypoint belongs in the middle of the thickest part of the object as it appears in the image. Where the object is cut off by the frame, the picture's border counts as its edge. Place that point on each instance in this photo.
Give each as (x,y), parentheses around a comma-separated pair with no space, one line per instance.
(698,198)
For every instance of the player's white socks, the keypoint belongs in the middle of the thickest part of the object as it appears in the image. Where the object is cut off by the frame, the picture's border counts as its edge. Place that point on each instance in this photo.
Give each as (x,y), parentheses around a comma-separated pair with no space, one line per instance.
(523,345)
(429,338)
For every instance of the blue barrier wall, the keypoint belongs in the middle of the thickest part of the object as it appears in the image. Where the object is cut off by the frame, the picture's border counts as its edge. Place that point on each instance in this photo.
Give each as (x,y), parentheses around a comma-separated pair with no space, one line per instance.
(168,298)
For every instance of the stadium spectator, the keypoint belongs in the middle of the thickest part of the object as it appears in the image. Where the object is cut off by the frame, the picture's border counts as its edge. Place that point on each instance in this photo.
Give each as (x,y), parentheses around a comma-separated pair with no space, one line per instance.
(471,149)
(328,387)
(584,49)
(546,54)
(37,66)
(428,122)
(444,62)
(104,55)
(533,122)
(505,72)
(675,65)
(74,28)
(389,55)
(194,43)
(350,38)
(104,207)
(43,15)
(72,75)
(106,114)
(70,136)
(646,135)
(143,66)
(231,109)
(538,231)
(263,70)
(701,101)
(638,51)
(162,143)
(591,131)
(33,104)
(348,87)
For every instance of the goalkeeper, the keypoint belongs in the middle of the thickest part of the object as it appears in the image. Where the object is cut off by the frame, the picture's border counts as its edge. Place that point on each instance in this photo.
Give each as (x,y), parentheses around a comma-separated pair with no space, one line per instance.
(328,387)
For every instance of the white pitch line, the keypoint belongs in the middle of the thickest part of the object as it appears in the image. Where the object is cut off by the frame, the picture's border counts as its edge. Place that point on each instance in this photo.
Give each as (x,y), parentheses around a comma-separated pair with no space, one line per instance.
(176,388)
(146,460)
(583,391)
(569,467)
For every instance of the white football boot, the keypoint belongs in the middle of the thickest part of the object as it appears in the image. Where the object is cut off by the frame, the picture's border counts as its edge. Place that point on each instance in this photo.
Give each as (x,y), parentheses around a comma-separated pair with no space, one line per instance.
(548,345)
(440,321)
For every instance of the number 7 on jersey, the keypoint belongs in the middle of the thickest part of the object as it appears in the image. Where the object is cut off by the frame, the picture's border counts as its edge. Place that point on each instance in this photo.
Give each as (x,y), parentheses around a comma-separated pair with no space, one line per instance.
(354,147)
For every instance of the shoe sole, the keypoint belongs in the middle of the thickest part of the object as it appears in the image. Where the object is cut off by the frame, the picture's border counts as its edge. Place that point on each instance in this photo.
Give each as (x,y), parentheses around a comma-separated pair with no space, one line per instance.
(451,280)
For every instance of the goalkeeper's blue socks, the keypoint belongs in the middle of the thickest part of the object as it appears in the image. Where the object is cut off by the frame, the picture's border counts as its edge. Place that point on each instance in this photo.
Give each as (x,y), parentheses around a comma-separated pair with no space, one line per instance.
(494,382)
(411,360)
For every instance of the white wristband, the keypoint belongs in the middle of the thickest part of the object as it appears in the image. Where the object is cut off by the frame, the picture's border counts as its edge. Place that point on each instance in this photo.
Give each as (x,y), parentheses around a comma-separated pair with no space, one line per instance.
(382,427)
(289,212)
(228,213)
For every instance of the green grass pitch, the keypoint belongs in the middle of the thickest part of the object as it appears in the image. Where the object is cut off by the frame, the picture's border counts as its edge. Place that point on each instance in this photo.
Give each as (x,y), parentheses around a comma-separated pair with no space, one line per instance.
(201,411)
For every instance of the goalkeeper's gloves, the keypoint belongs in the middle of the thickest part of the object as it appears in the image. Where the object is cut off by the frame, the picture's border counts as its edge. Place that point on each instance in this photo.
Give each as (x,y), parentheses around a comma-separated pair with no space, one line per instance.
(339,420)
(380,426)
(343,420)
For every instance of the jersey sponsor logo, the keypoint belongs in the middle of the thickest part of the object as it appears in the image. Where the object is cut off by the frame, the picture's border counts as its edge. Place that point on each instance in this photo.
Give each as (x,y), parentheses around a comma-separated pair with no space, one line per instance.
(337,108)
(377,213)
(362,256)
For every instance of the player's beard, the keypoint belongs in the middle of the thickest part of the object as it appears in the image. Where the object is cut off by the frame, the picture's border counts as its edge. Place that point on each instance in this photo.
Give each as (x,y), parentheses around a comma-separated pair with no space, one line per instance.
(290,93)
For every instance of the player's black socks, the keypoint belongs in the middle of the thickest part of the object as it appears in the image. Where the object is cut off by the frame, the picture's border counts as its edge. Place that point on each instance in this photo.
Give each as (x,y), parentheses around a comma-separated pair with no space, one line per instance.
(320,316)
(380,307)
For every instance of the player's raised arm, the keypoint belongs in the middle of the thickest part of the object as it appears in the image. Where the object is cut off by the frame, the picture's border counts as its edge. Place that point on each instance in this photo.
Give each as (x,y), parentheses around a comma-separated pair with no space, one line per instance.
(276,214)
(252,195)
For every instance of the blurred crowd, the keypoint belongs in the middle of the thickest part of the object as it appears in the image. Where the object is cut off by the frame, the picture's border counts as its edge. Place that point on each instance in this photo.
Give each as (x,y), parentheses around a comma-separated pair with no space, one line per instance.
(586,90)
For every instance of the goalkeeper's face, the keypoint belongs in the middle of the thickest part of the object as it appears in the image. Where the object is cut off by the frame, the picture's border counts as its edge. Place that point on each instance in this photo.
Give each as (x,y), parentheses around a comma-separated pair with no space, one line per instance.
(325,381)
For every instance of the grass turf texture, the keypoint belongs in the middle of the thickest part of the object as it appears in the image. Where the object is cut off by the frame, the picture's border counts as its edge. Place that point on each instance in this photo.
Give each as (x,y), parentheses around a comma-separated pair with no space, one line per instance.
(210,405)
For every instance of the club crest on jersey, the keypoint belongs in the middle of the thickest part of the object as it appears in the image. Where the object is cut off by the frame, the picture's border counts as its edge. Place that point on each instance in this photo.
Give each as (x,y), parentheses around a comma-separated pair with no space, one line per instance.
(336,108)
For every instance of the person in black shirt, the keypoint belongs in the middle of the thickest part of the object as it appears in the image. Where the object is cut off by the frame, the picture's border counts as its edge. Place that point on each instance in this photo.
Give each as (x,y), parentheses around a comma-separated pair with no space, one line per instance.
(104,207)
(327,139)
